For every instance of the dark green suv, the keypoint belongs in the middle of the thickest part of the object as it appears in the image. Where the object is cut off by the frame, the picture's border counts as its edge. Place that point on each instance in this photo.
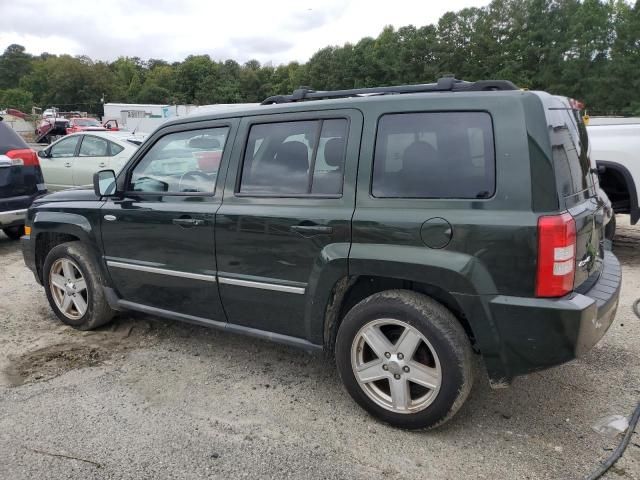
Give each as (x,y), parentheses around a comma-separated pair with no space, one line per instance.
(401,229)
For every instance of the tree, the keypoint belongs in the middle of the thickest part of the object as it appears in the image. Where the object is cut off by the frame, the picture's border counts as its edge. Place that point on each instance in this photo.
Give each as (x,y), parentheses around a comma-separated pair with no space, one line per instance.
(587,49)
(16,98)
(14,64)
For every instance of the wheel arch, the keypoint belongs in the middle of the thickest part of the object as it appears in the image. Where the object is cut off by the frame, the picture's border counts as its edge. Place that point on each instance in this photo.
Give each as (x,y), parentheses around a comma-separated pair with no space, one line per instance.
(54,228)
(349,291)
(627,178)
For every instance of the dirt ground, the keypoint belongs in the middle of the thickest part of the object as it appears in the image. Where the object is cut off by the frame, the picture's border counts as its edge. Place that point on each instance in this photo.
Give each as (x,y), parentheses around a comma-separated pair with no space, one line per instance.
(148,398)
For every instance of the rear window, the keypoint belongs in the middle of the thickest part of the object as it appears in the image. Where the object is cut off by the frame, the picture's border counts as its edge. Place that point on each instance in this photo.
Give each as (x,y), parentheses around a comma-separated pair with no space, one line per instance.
(434,155)
(9,139)
(569,143)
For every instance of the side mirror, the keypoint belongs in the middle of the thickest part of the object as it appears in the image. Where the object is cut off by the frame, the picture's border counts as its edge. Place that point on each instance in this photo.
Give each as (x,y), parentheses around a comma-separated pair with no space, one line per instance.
(43,154)
(104,183)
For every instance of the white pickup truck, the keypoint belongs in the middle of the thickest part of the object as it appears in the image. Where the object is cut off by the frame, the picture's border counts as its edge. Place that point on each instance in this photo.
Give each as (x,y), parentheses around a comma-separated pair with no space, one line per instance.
(615,147)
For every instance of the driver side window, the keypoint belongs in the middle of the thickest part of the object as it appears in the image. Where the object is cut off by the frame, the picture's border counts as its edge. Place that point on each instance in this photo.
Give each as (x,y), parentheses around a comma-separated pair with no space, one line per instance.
(181,162)
(64,148)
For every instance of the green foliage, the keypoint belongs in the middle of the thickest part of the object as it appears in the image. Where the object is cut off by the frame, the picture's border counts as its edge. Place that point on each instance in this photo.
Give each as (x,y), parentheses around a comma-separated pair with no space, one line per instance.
(586,49)
(14,64)
(16,98)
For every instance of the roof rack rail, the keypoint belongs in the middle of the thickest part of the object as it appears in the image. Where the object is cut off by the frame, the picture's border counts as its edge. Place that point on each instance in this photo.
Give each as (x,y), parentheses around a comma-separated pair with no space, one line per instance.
(444,84)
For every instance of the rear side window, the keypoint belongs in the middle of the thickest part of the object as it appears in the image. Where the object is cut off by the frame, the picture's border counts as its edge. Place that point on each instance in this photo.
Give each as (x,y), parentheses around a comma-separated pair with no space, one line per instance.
(295,158)
(94,147)
(434,155)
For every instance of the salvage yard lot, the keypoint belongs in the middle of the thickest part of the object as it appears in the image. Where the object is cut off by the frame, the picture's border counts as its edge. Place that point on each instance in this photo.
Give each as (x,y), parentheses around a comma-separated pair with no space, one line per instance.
(148,398)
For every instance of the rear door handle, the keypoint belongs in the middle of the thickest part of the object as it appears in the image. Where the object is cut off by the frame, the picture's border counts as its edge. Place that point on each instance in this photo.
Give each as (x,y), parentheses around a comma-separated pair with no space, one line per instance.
(187,222)
(67,164)
(310,230)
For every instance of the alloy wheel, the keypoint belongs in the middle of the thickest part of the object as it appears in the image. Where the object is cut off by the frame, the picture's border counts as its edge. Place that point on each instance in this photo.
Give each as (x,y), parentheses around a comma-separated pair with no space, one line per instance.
(68,288)
(396,366)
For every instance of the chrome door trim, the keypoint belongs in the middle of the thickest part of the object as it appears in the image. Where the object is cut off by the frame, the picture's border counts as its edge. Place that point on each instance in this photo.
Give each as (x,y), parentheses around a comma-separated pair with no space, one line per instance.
(161,271)
(263,285)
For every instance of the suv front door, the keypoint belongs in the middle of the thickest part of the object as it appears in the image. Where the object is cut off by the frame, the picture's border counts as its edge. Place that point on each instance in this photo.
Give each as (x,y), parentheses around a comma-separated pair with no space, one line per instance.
(284,228)
(159,238)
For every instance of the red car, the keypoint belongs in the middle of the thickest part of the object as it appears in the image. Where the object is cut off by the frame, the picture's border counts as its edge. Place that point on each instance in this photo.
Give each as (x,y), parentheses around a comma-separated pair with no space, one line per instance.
(112,125)
(84,125)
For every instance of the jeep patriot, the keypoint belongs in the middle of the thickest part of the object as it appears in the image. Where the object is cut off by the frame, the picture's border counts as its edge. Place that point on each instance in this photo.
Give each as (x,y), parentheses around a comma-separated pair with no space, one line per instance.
(401,229)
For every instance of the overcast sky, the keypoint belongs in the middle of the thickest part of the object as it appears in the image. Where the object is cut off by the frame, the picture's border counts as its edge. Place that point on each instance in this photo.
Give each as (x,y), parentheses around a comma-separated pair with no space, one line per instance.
(276,31)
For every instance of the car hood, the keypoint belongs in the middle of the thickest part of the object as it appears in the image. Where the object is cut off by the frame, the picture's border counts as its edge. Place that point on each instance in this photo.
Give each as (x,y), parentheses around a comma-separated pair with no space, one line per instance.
(71,195)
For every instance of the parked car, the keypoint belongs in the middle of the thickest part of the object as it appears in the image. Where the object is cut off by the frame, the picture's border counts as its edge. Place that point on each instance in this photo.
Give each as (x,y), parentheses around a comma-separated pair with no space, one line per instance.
(615,148)
(72,160)
(20,181)
(398,228)
(51,127)
(84,124)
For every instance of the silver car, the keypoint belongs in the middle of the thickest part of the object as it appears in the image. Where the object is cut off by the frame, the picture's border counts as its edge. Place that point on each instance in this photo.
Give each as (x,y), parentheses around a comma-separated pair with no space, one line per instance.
(72,160)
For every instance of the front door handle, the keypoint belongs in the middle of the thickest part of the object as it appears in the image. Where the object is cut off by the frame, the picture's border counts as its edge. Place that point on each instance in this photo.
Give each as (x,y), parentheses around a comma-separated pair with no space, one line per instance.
(187,222)
(102,164)
(310,230)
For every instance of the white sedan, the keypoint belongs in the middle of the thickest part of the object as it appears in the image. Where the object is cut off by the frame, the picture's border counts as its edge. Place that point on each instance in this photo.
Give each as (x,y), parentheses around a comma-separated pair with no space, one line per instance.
(72,160)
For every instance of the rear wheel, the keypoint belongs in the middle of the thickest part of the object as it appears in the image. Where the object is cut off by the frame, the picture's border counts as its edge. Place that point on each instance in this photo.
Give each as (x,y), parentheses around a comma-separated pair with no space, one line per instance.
(74,287)
(405,359)
(14,233)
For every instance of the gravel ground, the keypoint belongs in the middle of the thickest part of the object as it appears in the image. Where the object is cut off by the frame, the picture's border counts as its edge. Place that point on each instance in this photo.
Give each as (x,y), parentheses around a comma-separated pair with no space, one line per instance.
(147,398)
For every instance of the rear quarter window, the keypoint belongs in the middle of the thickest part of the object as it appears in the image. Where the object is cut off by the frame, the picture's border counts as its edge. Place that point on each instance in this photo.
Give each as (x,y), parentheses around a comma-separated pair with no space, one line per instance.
(569,143)
(434,155)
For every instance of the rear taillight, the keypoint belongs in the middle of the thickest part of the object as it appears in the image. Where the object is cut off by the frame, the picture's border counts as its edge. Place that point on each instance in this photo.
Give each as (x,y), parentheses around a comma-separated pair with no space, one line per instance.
(556,255)
(24,156)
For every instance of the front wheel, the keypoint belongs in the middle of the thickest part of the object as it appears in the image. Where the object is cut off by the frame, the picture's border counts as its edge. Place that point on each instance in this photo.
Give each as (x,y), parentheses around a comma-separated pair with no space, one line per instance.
(73,285)
(405,359)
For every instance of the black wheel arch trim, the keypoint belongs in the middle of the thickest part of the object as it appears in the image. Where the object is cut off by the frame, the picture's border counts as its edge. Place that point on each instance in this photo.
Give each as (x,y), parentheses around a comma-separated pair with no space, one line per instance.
(634,209)
(72,224)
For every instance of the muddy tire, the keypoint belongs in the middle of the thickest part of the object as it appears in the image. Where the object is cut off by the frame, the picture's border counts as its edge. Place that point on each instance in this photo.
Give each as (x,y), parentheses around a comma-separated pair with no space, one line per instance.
(14,233)
(73,284)
(405,359)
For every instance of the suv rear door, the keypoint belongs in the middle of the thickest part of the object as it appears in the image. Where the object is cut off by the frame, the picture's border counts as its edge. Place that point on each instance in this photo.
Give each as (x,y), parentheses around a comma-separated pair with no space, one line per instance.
(92,157)
(285,221)
(576,187)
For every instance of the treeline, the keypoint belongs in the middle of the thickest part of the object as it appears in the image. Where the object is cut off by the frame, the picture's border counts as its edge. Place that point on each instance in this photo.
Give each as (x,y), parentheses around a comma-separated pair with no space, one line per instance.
(587,49)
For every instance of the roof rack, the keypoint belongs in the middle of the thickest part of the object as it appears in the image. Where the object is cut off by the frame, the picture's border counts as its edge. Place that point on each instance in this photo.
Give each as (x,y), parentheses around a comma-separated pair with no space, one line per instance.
(444,84)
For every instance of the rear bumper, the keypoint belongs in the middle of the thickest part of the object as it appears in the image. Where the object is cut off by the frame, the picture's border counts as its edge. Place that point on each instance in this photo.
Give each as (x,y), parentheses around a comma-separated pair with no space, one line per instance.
(13,210)
(538,333)
(10,218)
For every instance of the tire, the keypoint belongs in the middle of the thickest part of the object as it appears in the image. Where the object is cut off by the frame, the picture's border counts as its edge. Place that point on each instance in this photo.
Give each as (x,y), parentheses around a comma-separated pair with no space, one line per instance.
(14,233)
(443,358)
(610,228)
(73,263)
